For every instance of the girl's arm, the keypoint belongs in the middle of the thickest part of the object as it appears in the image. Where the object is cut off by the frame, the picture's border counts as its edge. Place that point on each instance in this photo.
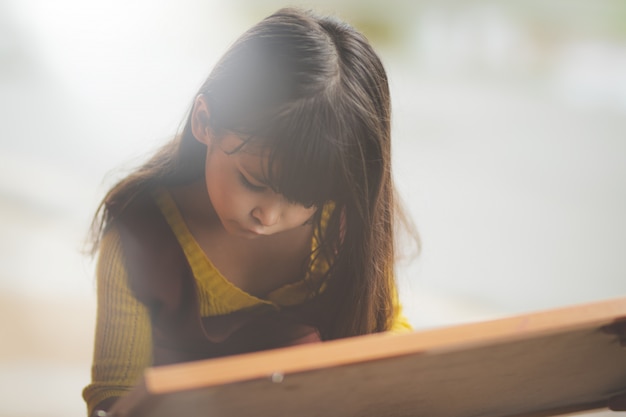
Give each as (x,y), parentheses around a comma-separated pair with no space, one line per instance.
(123,346)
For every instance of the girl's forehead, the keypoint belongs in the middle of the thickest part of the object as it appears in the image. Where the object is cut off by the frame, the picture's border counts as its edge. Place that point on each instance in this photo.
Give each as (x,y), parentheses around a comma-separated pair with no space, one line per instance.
(303,174)
(252,157)
(254,164)
(233,143)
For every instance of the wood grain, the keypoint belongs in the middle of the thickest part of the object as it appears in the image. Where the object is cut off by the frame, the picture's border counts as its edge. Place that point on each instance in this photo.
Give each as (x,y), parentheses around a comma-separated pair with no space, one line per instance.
(536,364)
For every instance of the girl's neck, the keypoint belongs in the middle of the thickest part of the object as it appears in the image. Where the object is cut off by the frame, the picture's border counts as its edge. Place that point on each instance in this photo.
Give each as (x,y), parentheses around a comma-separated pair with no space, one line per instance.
(257,266)
(194,204)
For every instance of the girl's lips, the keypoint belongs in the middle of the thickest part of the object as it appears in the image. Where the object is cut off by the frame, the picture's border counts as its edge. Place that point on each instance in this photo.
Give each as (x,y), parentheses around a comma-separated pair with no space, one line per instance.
(256,232)
(250,231)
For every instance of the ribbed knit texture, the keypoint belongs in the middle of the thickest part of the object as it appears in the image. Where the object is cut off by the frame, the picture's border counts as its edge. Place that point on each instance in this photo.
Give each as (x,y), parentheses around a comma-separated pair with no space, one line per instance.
(123,345)
(123,342)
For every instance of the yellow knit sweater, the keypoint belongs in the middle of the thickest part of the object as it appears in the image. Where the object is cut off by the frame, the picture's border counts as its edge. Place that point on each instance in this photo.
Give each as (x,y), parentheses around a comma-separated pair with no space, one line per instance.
(123,345)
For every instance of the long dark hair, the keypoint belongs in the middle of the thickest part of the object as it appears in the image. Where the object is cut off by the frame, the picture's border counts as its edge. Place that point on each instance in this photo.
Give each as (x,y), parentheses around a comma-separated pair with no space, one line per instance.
(314,93)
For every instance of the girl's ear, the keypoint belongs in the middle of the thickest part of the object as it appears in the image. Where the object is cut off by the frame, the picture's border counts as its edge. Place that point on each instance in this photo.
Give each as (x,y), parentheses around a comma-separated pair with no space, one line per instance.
(200,126)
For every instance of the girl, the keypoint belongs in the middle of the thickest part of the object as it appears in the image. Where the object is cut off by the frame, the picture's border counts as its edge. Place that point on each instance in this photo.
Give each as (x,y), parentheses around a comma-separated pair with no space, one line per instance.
(267,222)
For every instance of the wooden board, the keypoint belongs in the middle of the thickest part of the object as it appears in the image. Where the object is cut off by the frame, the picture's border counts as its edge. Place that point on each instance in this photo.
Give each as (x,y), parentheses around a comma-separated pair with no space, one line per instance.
(538,364)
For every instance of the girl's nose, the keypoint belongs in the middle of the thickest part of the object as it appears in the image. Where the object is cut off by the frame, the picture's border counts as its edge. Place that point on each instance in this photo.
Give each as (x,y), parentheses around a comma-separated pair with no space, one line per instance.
(267,215)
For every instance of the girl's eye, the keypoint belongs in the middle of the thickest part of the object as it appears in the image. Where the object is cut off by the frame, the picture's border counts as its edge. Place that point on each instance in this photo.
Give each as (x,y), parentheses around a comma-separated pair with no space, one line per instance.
(249,185)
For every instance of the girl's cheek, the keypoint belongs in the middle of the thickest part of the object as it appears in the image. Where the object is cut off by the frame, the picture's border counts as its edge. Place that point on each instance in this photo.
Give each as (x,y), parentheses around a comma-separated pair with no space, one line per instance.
(242,201)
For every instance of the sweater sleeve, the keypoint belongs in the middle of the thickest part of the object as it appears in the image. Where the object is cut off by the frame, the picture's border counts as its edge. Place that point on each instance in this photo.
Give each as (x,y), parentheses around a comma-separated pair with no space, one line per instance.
(399,322)
(123,345)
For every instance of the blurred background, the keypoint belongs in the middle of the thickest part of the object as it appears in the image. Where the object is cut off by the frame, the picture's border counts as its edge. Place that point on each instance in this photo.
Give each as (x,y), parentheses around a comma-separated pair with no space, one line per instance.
(509,148)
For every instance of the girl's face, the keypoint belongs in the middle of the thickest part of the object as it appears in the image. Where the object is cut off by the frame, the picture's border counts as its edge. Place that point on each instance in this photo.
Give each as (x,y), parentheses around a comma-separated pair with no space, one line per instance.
(245,204)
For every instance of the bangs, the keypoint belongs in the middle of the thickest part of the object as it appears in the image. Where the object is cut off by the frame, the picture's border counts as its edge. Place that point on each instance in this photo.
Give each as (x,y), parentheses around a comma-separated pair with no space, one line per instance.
(276,88)
(304,151)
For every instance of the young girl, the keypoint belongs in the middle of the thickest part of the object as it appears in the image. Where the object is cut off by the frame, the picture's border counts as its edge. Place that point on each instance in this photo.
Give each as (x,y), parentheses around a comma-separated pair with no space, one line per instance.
(267,222)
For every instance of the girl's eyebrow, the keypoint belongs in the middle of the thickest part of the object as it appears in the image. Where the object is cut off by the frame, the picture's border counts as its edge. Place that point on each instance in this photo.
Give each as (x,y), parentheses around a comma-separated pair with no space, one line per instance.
(254,176)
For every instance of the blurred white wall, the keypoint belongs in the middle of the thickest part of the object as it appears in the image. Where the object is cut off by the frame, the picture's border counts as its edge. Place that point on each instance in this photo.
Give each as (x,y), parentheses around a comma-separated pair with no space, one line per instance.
(509,147)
